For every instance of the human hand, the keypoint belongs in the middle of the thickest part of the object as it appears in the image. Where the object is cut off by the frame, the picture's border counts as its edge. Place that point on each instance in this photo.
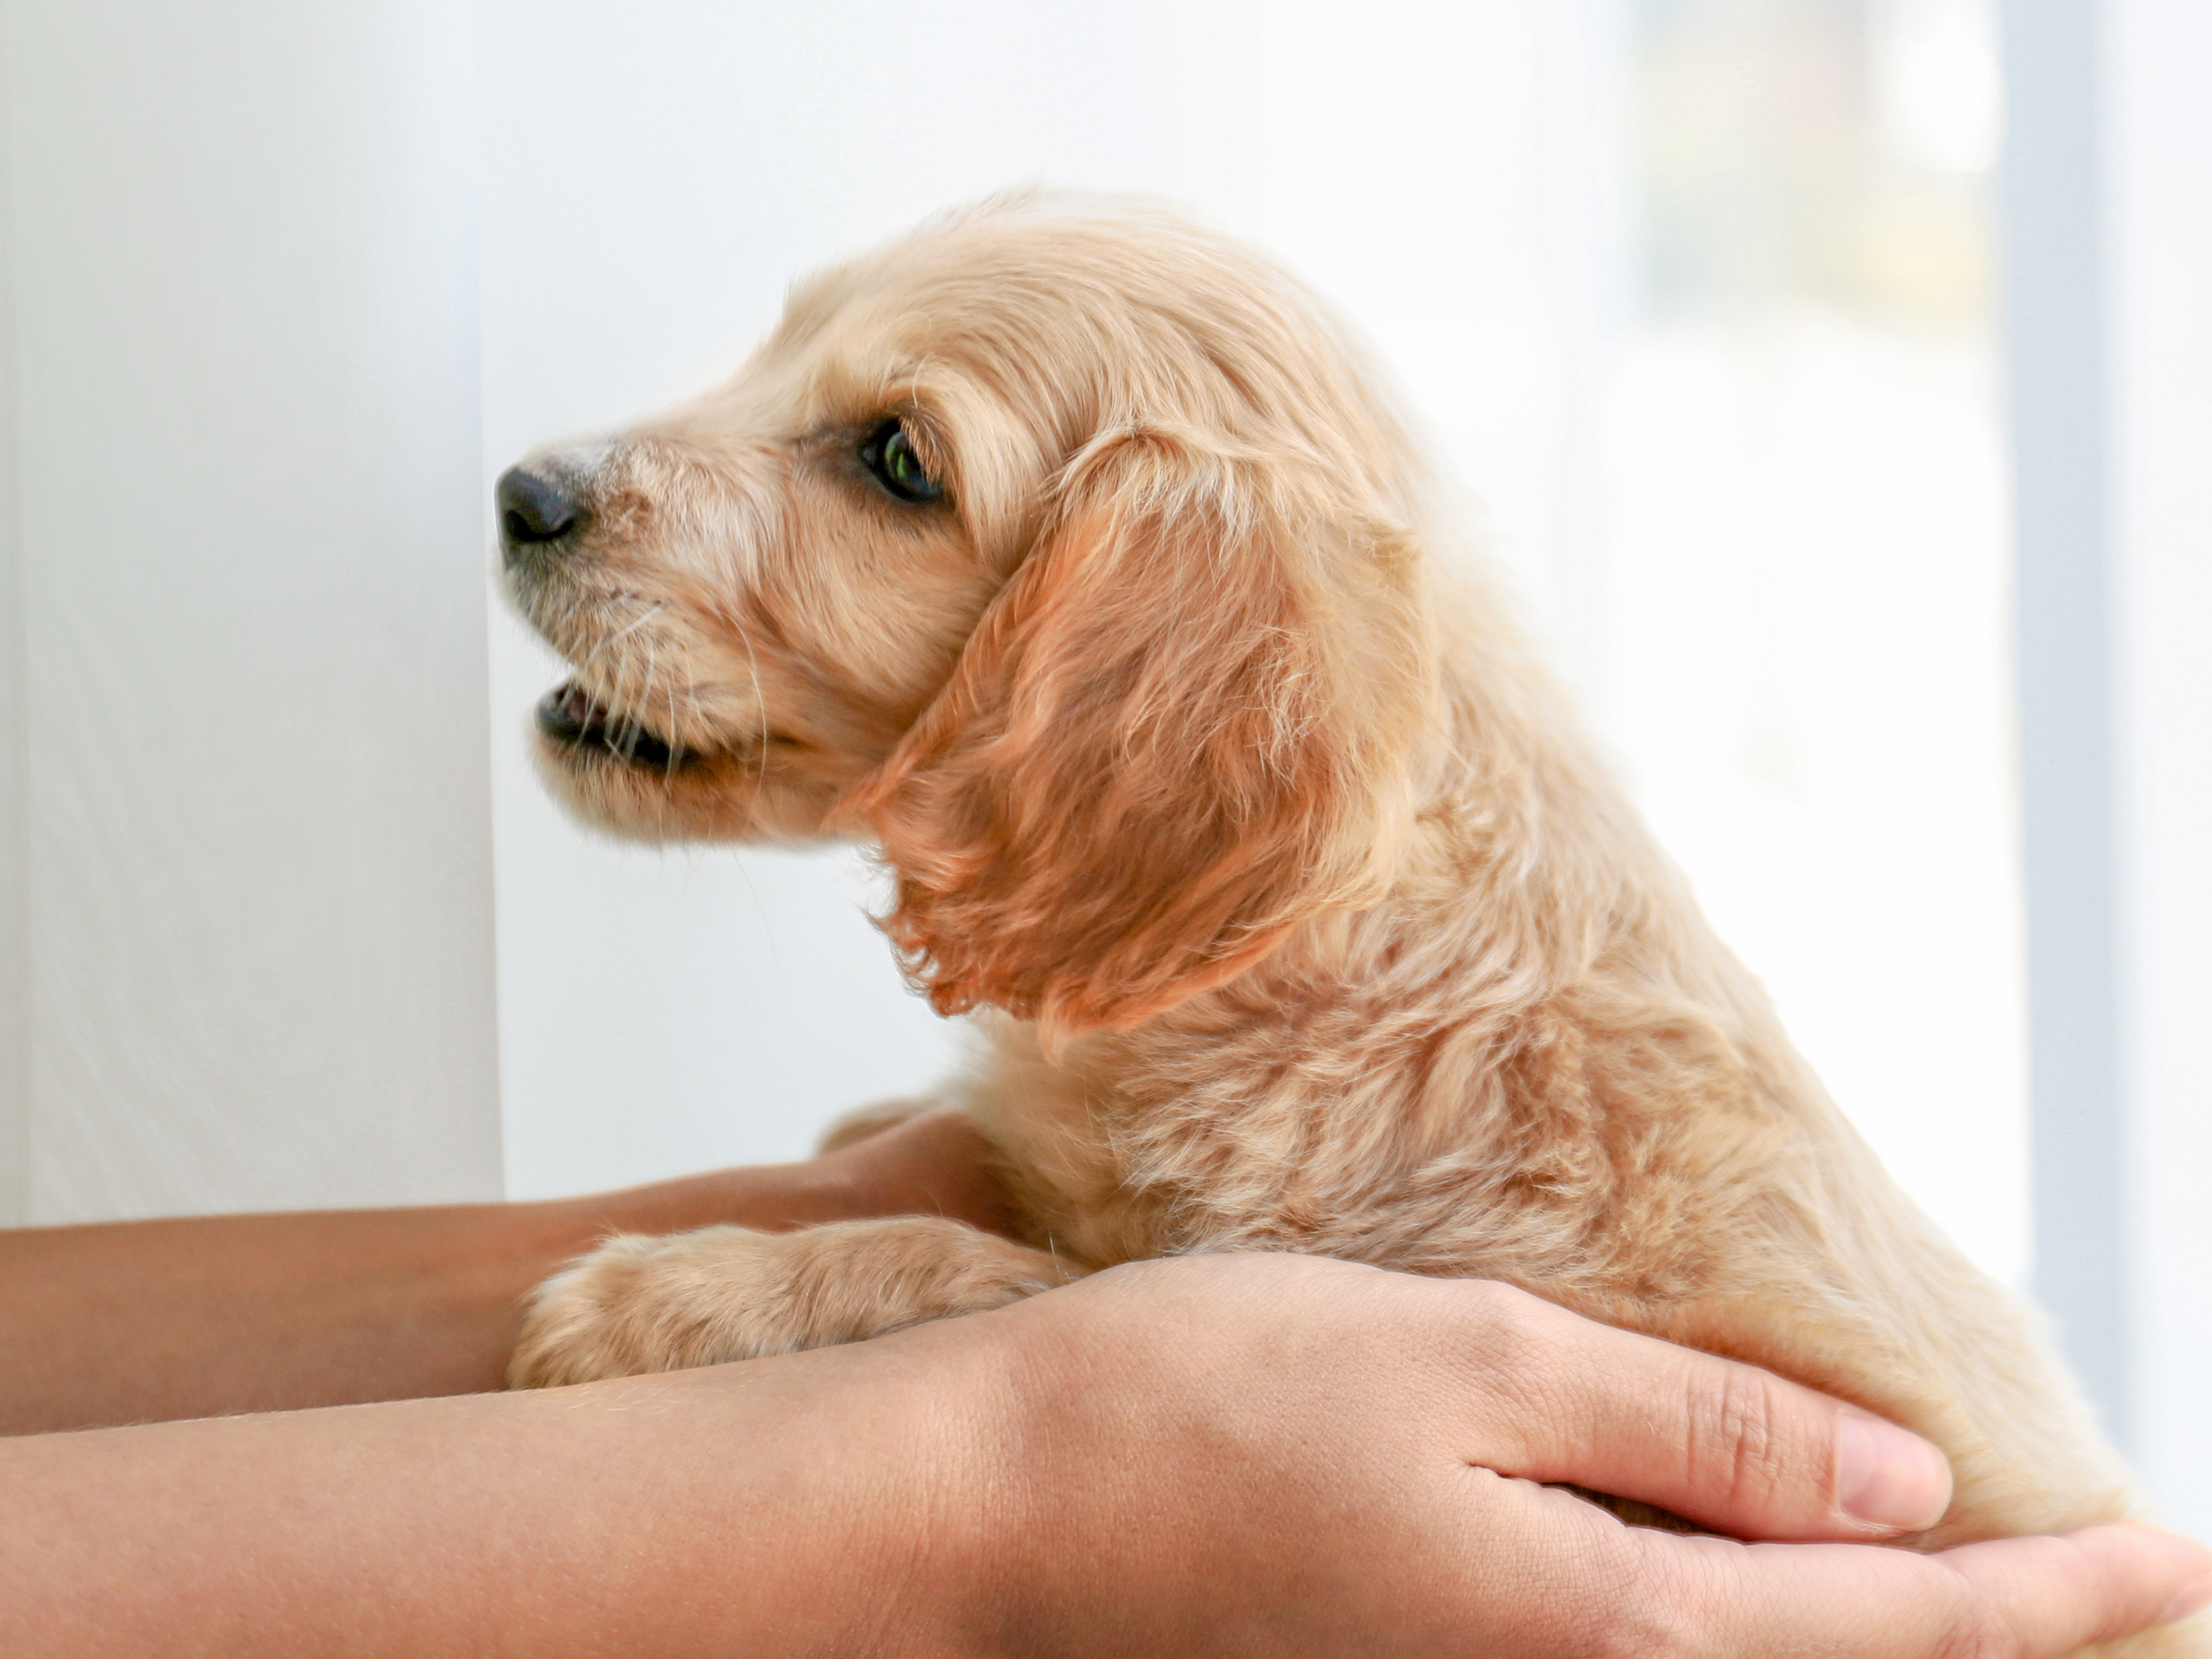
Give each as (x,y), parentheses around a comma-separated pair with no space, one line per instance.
(1216,1456)
(1287,1456)
(208,1316)
(935,1163)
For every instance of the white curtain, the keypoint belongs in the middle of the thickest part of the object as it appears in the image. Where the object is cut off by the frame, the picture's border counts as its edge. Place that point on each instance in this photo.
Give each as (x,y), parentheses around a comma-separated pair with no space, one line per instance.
(247,813)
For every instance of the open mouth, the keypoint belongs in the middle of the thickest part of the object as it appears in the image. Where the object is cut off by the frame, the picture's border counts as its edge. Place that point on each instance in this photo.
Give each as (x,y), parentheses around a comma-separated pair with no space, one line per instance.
(569,714)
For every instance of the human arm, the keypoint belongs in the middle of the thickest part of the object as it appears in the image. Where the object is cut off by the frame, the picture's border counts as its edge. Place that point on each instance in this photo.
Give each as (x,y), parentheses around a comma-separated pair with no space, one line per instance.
(139,1321)
(1223,1455)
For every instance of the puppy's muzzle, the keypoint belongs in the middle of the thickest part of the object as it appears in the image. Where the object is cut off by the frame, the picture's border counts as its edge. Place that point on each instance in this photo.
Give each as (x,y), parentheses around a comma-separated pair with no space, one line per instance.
(536,517)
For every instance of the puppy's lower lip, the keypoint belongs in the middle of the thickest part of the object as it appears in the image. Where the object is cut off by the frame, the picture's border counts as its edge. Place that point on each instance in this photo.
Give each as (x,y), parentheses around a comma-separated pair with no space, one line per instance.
(569,714)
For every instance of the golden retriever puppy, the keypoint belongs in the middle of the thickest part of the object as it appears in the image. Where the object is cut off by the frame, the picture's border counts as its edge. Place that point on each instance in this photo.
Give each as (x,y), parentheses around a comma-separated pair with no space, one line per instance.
(1073,555)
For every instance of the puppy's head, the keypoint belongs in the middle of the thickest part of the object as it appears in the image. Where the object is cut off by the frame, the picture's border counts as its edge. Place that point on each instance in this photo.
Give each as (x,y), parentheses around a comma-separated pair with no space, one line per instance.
(1065,552)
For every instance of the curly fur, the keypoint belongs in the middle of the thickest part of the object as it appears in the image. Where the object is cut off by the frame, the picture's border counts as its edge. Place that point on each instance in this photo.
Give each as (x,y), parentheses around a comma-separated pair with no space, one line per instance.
(1213,770)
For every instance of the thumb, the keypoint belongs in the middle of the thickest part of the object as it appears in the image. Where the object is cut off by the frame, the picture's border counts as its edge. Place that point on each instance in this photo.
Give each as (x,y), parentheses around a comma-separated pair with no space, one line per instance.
(1727,1445)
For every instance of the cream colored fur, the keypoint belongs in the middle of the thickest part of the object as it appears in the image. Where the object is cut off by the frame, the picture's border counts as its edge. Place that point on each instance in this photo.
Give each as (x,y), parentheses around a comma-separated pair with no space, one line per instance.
(1214,772)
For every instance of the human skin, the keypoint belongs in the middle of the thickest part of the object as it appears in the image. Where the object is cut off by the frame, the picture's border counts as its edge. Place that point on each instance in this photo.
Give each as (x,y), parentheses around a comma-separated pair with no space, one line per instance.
(1226,1455)
(143,1322)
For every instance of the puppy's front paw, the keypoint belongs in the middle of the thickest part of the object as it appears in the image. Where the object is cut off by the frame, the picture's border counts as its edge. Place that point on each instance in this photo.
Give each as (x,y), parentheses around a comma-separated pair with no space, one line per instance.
(699,1298)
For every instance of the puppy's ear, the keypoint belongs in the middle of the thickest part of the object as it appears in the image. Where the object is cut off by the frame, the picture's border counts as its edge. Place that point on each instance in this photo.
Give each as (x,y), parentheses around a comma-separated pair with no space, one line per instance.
(1181,728)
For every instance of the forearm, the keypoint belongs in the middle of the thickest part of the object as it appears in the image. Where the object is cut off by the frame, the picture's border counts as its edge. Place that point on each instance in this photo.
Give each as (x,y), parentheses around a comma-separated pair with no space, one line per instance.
(1230,1456)
(763,1510)
(143,1322)
(148,1321)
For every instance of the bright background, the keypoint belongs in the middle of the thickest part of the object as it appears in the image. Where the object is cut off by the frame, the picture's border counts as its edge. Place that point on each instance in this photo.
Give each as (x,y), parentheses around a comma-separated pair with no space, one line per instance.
(1701,299)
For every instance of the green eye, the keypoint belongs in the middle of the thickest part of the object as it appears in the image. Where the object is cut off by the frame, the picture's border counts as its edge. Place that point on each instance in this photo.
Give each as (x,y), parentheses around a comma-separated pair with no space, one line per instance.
(890,456)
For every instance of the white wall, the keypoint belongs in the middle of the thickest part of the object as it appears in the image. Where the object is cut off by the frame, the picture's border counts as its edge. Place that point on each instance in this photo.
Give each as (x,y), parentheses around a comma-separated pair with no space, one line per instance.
(245,664)
(2159,183)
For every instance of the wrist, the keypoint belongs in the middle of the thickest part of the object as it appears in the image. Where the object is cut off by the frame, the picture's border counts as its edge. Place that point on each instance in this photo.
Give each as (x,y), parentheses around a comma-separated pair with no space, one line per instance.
(770,1198)
(933,1419)
(935,1163)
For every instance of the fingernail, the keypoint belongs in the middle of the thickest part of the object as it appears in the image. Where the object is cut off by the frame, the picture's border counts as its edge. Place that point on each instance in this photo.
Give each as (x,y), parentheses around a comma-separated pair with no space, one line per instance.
(1886,1477)
(2188,1601)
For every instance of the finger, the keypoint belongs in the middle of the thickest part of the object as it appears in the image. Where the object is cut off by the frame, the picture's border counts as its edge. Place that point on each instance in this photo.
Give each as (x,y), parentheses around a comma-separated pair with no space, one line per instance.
(1727,1445)
(2015,1598)
(2096,1585)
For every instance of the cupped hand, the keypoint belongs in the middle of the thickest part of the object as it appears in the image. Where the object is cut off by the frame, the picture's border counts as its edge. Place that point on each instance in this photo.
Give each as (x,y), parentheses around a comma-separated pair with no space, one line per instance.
(1284,1456)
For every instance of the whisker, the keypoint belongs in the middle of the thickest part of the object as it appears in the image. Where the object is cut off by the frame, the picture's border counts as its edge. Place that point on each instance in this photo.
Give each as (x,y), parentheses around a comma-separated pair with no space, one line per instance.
(674,726)
(759,699)
(638,621)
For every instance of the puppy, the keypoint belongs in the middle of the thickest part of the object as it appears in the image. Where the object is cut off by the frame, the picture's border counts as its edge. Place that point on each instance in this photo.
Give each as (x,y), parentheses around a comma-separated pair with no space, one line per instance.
(1074,556)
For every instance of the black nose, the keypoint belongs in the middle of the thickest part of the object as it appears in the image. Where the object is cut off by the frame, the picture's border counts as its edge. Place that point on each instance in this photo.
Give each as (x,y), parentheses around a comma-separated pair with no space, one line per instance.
(532,512)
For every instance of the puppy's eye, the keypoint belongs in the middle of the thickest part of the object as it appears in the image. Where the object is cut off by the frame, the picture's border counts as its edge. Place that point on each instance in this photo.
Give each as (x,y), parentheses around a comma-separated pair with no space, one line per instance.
(890,456)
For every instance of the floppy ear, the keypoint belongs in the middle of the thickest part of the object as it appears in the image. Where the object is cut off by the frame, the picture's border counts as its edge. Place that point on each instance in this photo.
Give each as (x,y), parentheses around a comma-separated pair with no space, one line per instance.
(1181,729)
